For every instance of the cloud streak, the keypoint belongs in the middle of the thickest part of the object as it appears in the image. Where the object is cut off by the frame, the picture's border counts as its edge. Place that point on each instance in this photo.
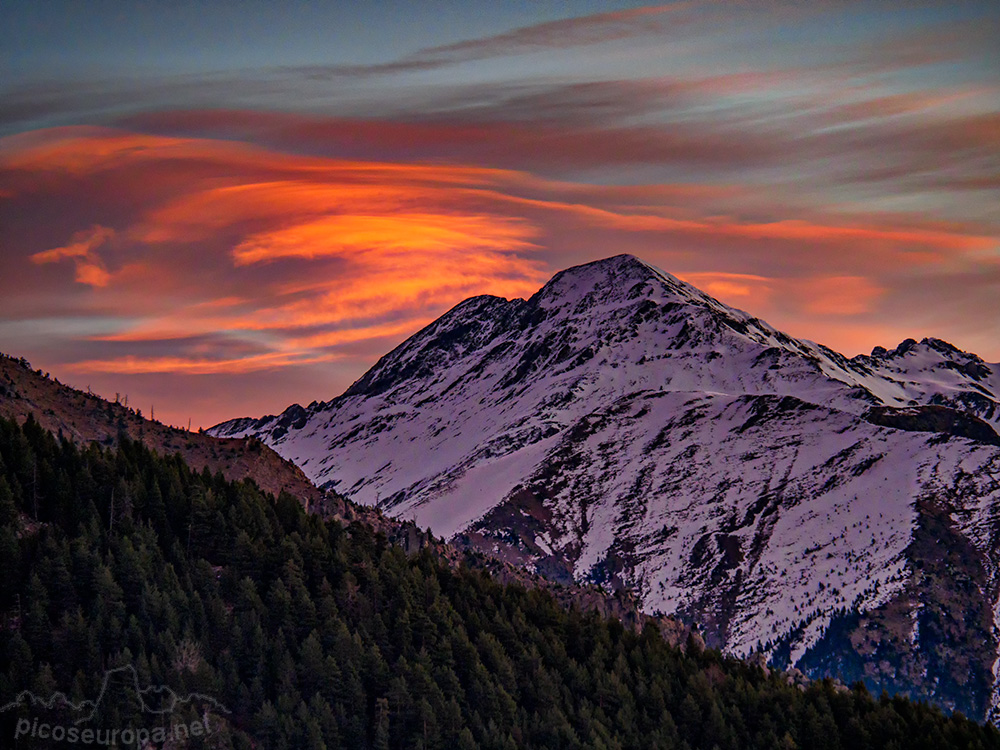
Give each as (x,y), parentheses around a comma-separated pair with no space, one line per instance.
(183,366)
(566,33)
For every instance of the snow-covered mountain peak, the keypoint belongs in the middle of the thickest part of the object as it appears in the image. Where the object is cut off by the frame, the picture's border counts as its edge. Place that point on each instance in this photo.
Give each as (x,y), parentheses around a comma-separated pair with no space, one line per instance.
(935,348)
(623,279)
(615,277)
(934,372)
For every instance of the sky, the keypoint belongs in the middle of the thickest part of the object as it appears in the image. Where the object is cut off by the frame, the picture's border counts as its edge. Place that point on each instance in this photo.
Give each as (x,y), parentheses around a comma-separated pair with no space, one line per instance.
(225,208)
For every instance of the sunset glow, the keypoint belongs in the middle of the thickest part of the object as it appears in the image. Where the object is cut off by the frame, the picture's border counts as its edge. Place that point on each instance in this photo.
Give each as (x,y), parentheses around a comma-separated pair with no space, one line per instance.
(226,243)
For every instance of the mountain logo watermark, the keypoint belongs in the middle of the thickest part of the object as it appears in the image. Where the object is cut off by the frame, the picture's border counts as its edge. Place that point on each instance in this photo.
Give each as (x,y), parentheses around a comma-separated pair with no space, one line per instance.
(124,714)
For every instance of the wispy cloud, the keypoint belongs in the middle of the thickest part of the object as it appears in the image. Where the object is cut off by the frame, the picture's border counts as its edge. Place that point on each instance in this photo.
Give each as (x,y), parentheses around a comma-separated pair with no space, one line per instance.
(577,31)
(184,366)
(82,251)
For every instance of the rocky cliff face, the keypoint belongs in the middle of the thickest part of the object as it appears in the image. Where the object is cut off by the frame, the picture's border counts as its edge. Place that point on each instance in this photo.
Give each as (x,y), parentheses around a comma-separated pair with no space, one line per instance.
(622,427)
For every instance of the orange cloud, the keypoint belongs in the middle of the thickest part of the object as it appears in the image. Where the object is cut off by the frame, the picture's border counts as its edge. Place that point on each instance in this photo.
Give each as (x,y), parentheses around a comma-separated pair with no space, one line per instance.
(296,256)
(838,295)
(412,233)
(90,268)
(818,295)
(178,365)
(727,286)
(787,229)
(84,150)
(909,243)
(361,333)
(377,283)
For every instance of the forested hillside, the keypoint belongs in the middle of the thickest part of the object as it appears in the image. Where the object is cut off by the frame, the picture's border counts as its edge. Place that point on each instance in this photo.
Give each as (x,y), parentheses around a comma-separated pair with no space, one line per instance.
(309,634)
(85,417)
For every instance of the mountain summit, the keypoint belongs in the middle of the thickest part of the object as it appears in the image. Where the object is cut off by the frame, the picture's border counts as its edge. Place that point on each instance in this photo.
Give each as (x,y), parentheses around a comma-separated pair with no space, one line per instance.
(621,426)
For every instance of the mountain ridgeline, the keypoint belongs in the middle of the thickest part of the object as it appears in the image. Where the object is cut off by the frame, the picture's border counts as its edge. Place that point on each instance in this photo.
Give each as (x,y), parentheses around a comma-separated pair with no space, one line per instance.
(134,586)
(622,427)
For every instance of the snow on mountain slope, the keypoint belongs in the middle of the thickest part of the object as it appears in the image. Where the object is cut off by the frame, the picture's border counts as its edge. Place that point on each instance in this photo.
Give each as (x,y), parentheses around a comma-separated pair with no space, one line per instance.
(622,426)
(935,372)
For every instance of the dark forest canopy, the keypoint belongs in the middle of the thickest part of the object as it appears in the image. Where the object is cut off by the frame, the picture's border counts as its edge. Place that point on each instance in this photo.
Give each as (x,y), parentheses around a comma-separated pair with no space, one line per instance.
(315,635)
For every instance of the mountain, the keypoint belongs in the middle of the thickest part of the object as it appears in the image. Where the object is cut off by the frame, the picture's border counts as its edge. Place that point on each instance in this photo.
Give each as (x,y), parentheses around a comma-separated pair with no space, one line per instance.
(620,426)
